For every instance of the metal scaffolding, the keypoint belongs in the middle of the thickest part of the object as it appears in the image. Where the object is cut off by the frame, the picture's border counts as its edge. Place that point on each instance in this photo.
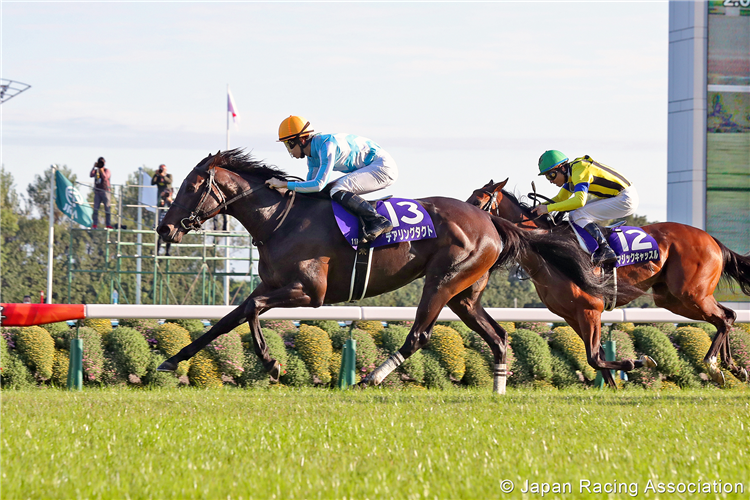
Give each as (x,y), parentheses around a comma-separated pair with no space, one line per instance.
(214,249)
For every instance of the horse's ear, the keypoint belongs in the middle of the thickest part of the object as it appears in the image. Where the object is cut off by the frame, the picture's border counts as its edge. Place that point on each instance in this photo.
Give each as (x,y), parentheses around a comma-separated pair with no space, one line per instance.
(501,185)
(216,161)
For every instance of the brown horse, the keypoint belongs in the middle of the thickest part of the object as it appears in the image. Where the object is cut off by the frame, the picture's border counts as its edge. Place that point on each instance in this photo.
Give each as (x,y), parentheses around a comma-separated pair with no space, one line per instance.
(306,262)
(682,281)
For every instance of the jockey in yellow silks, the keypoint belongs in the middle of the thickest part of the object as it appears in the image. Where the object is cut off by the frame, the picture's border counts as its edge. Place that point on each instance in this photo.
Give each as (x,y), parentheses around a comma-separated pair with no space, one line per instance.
(614,195)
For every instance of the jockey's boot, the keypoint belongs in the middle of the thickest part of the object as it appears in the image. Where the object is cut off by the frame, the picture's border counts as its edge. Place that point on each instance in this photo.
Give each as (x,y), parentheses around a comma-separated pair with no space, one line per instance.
(373,223)
(604,255)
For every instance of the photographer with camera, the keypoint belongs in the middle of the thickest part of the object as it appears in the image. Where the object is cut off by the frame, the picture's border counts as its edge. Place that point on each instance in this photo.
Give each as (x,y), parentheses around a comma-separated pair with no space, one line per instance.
(102,186)
(165,201)
(162,180)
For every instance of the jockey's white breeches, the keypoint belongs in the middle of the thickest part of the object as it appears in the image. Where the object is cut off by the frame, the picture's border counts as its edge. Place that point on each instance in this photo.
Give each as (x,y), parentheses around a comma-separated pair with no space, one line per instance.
(379,174)
(622,205)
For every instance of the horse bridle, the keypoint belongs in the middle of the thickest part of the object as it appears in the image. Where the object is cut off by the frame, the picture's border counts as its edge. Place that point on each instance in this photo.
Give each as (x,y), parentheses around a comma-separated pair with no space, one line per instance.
(197,215)
(487,207)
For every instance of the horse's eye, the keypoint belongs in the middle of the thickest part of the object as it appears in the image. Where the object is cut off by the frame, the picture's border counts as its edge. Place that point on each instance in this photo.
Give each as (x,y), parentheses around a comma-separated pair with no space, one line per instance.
(191,189)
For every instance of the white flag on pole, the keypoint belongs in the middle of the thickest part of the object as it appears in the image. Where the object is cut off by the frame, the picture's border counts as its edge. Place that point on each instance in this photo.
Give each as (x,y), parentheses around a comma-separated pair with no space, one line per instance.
(232,108)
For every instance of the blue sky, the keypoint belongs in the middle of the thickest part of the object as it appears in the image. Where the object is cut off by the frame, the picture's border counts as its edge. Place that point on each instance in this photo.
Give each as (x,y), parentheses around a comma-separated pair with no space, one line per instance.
(457,93)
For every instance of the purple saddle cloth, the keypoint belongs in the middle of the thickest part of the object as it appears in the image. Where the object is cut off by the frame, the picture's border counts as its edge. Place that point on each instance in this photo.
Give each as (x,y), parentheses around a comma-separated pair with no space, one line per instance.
(632,245)
(410,221)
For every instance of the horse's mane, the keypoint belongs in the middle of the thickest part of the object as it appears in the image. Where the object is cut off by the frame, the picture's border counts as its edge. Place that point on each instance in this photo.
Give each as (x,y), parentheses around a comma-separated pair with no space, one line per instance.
(241,162)
(521,204)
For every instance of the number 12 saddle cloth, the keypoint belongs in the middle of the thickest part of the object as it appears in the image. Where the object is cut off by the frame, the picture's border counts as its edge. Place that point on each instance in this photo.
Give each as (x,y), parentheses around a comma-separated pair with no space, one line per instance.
(631,244)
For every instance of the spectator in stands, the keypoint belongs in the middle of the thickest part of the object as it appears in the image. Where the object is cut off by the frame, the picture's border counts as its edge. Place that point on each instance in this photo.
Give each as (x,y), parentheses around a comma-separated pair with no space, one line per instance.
(165,201)
(102,186)
(162,180)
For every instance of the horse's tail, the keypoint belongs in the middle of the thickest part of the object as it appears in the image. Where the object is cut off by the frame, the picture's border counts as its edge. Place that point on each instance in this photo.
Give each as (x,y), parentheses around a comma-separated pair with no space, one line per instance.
(561,254)
(736,267)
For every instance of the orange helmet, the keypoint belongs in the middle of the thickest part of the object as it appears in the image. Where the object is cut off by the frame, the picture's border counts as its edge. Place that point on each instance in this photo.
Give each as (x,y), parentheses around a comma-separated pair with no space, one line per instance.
(293,128)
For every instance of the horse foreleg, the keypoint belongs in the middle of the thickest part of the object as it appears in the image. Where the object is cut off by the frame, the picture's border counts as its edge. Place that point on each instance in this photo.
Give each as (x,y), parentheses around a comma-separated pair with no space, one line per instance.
(226,324)
(294,295)
(466,305)
(588,327)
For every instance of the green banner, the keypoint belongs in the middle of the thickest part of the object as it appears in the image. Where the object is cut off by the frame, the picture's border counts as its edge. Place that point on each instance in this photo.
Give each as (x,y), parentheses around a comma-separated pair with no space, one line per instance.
(70,202)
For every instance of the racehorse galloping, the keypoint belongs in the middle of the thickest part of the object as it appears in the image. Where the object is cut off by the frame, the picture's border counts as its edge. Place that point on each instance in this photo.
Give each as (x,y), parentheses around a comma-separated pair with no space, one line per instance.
(306,262)
(683,280)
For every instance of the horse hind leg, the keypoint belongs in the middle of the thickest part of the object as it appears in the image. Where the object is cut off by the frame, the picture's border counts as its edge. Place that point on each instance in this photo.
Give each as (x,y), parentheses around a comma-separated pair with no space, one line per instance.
(466,305)
(434,298)
(707,309)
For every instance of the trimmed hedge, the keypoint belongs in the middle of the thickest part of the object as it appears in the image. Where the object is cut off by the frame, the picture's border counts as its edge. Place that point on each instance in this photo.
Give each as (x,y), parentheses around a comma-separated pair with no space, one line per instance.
(624,348)
(204,372)
(155,378)
(93,353)
(455,355)
(37,349)
(15,374)
(297,374)
(694,344)
(60,368)
(374,328)
(130,351)
(449,346)
(567,341)
(314,347)
(435,374)
(170,339)
(478,372)
(739,343)
(654,343)
(194,326)
(100,325)
(226,351)
(533,358)
(563,370)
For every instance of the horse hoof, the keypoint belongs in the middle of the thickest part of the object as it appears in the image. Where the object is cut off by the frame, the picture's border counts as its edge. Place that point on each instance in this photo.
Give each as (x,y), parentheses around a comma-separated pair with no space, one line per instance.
(718,377)
(648,361)
(744,376)
(275,372)
(167,366)
(364,383)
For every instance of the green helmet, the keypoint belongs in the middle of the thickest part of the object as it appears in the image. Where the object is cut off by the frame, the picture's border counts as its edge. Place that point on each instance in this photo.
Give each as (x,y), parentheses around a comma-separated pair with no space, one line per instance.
(550,159)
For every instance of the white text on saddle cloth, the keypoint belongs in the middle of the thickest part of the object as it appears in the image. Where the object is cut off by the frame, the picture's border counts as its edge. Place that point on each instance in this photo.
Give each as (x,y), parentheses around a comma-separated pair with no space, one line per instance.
(410,221)
(633,245)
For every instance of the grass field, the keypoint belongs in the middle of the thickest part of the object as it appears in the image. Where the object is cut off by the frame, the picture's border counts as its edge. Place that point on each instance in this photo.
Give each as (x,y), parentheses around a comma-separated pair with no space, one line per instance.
(284,443)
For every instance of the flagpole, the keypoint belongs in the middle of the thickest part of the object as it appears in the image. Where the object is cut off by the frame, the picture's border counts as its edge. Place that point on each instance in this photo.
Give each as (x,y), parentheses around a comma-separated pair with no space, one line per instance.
(226,240)
(139,238)
(51,243)
(227,112)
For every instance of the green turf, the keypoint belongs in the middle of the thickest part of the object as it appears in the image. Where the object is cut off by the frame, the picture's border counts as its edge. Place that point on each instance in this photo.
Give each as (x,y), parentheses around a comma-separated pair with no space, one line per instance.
(285,443)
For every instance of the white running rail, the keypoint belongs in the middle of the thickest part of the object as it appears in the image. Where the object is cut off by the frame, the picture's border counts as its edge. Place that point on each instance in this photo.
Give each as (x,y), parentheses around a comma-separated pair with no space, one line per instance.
(351,313)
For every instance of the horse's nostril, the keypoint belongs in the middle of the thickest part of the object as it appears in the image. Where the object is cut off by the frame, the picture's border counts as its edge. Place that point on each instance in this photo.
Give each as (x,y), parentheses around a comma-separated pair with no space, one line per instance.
(163,230)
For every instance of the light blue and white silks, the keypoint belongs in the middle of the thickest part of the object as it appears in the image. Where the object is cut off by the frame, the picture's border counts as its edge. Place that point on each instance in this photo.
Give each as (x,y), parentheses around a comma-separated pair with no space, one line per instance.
(368,167)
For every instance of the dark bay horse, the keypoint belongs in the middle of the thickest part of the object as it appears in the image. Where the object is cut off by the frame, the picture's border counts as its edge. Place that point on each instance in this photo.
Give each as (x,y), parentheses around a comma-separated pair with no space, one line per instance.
(682,281)
(306,262)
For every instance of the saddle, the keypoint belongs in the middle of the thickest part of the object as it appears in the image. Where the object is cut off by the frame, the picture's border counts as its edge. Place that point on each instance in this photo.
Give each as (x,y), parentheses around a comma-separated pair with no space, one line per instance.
(632,244)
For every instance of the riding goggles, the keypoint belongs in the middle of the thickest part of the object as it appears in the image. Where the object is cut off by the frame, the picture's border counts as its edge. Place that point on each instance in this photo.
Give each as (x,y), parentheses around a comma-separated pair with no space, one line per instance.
(290,144)
(551,175)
